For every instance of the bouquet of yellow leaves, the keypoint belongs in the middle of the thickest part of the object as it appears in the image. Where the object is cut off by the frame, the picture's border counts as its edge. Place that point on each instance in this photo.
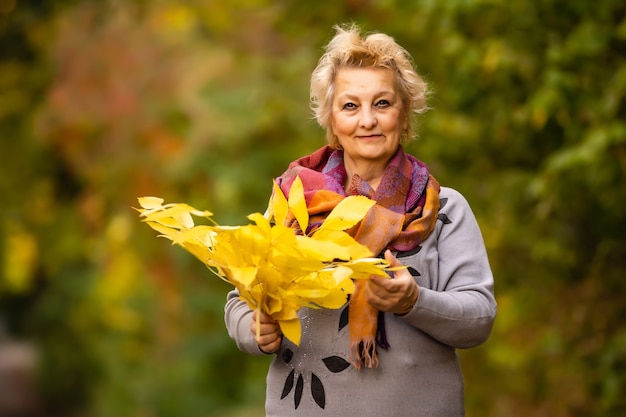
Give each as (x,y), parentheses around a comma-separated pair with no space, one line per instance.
(274,268)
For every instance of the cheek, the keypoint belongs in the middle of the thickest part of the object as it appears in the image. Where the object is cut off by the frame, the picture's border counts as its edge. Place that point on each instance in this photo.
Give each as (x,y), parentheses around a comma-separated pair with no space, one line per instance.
(338,125)
(397,123)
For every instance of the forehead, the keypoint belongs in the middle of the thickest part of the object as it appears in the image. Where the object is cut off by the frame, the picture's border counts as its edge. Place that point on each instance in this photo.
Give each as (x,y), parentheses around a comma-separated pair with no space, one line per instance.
(369,80)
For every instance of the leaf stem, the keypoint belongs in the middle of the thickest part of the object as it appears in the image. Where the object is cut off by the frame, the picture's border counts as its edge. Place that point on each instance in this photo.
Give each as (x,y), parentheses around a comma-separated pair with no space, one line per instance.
(258,323)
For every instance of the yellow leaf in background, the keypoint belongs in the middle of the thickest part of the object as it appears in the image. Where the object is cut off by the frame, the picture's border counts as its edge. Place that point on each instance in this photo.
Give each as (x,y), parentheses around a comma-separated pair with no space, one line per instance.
(347,213)
(297,204)
(292,330)
(20,257)
(278,207)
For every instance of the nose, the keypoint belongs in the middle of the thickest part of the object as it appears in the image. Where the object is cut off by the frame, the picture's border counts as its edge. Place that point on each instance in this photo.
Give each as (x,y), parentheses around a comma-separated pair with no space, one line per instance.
(368,118)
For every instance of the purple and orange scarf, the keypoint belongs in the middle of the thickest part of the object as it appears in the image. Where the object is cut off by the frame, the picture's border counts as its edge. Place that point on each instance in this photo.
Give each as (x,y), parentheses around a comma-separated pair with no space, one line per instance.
(407,202)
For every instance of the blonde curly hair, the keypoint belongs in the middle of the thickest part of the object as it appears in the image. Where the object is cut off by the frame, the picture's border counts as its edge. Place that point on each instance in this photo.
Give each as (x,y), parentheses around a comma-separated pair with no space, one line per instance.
(376,50)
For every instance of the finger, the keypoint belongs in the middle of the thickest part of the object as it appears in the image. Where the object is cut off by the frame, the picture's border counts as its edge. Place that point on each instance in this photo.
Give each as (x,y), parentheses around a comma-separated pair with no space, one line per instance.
(265,338)
(376,281)
(402,273)
(264,328)
(270,338)
(263,317)
(271,347)
(393,261)
(268,329)
(381,286)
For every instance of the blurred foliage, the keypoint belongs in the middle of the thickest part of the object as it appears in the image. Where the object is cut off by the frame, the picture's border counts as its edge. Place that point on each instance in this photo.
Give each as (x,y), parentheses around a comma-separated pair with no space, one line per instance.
(205,101)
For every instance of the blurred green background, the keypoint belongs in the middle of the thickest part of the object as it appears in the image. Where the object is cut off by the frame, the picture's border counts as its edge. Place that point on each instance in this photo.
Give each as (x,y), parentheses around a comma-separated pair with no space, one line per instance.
(205,102)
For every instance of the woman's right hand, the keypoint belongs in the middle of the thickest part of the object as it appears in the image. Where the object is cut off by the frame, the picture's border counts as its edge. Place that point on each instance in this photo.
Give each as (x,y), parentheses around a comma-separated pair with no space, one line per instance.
(269,336)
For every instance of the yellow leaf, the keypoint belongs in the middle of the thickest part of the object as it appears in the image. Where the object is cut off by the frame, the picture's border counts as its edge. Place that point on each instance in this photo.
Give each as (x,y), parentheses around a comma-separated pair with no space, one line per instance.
(297,204)
(324,250)
(278,207)
(365,267)
(293,269)
(341,274)
(273,304)
(150,202)
(284,238)
(201,234)
(355,249)
(347,213)
(334,299)
(243,275)
(275,268)
(199,251)
(174,215)
(291,329)
(164,231)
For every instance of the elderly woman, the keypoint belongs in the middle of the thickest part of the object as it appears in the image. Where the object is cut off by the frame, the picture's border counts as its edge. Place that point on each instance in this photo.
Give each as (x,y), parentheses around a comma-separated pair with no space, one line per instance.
(391,350)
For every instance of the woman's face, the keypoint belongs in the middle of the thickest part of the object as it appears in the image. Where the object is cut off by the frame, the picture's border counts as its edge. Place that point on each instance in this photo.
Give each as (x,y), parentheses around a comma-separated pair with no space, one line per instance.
(367,114)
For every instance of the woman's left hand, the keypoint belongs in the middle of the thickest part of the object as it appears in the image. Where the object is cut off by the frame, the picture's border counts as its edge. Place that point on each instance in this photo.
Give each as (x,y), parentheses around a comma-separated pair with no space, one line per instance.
(397,295)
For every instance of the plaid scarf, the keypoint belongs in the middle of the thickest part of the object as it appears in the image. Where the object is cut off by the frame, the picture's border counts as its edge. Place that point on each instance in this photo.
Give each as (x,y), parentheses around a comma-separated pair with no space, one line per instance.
(407,202)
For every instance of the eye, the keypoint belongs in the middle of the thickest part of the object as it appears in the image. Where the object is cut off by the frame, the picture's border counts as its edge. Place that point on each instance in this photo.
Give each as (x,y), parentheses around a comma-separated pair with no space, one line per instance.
(381,104)
(349,106)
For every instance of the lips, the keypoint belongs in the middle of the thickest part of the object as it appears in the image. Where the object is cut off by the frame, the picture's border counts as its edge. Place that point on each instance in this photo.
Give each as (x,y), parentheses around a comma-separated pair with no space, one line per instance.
(369,137)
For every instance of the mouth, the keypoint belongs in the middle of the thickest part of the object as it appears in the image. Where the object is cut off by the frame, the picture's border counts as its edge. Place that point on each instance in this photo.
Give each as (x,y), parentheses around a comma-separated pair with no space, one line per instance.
(369,137)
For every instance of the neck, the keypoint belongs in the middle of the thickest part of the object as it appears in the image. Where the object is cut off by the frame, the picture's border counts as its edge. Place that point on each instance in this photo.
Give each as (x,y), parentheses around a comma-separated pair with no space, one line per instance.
(372,172)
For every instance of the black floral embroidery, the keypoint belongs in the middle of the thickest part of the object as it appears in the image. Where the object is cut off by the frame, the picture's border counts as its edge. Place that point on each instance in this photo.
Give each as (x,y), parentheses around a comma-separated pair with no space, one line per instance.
(317,391)
(297,396)
(442,216)
(334,364)
(287,355)
(288,384)
(343,318)
(414,272)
